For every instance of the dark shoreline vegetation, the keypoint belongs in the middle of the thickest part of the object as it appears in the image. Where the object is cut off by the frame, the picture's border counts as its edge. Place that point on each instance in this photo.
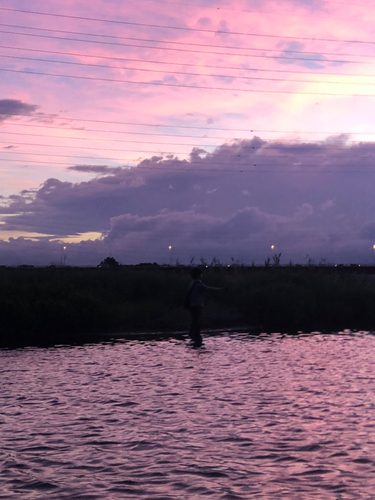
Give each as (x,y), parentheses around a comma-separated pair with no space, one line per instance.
(46,306)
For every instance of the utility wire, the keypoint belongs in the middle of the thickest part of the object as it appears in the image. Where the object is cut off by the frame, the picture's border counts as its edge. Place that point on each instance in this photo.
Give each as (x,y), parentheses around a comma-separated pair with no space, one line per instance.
(126,141)
(152,47)
(193,44)
(131,132)
(104,140)
(169,63)
(193,127)
(235,144)
(81,147)
(183,73)
(154,134)
(183,28)
(285,155)
(285,151)
(181,85)
(243,168)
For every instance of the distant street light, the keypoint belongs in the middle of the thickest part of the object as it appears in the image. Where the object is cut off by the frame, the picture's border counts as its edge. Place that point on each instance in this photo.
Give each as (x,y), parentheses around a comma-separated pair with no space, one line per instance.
(170,254)
(63,256)
(272,247)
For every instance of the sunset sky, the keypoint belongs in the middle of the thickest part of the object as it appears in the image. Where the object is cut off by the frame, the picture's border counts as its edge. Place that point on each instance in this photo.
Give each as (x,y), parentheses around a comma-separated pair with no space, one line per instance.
(217,128)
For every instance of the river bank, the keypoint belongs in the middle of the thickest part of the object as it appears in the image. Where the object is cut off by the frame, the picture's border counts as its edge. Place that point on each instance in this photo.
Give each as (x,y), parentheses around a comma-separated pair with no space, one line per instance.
(60,305)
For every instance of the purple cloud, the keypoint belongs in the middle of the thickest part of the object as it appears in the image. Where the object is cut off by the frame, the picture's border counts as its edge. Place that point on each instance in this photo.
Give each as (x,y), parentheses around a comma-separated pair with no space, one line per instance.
(236,201)
(95,169)
(15,107)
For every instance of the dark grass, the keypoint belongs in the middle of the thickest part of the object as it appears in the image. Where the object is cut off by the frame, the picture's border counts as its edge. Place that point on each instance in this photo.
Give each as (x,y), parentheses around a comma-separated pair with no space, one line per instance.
(60,305)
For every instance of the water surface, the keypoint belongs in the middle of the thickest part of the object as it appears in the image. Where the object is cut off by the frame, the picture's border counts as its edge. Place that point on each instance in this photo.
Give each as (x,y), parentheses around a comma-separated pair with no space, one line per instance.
(268,417)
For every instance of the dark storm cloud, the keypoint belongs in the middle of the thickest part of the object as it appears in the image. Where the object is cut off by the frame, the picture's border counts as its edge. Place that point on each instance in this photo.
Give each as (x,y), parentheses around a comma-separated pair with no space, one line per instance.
(312,198)
(95,169)
(192,231)
(15,107)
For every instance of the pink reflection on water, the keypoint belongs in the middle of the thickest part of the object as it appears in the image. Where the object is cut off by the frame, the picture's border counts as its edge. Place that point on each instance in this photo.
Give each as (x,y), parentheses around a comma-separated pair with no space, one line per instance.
(277,417)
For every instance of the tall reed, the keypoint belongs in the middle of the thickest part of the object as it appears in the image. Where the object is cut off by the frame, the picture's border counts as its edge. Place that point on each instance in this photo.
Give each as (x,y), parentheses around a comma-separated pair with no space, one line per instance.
(60,304)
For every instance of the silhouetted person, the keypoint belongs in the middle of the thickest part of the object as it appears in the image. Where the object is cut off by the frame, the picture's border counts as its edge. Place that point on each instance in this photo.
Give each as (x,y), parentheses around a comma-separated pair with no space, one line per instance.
(196,300)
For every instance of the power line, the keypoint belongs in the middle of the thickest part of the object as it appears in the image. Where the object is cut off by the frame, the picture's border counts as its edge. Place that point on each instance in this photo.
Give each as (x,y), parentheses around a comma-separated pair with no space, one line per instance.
(181,85)
(99,149)
(172,42)
(104,140)
(183,28)
(182,73)
(131,132)
(193,127)
(154,134)
(32,125)
(171,63)
(243,168)
(288,154)
(235,144)
(77,147)
(152,47)
(47,155)
(286,144)
(264,155)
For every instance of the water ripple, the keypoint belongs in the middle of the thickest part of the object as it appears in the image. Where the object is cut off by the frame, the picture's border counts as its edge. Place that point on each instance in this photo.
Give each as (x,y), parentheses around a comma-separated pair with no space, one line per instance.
(246,417)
